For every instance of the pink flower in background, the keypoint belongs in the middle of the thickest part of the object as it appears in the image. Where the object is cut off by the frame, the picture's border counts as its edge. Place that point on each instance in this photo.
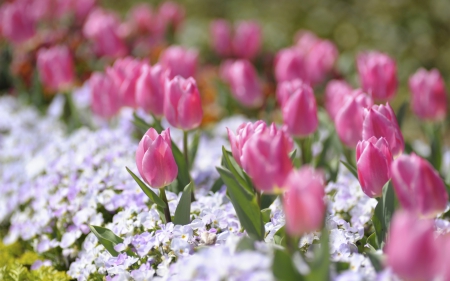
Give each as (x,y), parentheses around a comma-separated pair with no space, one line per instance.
(429,97)
(82,8)
(303,203)
(380,121)
(179,61)
(349,119)
(411,249)
(182,103)
(286,89)
(418,186)
(300,112)
(336,94)
(55,66)
(170,15)
(289,65)
(154,159)
(105,100)
(378,75)
(125,73)
(221,35)
(103,29)
(266,160)
(150,89)
(17,22)
(373,161)
(244,83)
(247,39)
(141,18)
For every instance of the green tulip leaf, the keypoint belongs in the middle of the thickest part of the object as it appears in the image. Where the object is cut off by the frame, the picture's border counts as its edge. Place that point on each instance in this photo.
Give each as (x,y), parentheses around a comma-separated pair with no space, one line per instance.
(107,238)
(151,195)
(183,211)
(383,213)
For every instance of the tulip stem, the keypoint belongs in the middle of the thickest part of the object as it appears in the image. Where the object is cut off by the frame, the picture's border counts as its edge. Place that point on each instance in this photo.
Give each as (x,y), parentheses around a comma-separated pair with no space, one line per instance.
(305,148)
(162,193)
(186,158)
(290,241)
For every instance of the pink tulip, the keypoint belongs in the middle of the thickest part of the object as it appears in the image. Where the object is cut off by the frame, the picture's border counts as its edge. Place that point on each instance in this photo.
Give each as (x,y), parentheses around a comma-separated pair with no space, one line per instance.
(154,159)
(179,61)
(444,258)
(182,103)
(243,80)
(336,94)
(289,65)
(380,121)
(378,75)
(300,112)
(103,29)
(141,17)
(221,37)
(320,61)
(17,22)
(429,98)
(104,95)
(418,186)
(82,8)
(125,73)
(374,160)
(150,89)
(411,249)
(286,89)
(170,14)
(303,203)
(266,161)
(349,119)
(247,40)
(55,66)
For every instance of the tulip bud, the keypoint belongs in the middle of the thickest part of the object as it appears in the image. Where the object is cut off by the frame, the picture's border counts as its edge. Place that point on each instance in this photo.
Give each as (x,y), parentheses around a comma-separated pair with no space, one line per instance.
(247,40)
(243,80)
(429,98)
(300,112)
(182,103)
(171,14)
(336,94)
(125,72)
(103,29)
(380,121)
(140,17)
(266,161)
(17,22)
(286,89)
(373,161)
(104,95)
(349,119)
(154,159)
(289,65)
(55,67)
(150,89)
(378,75)
(179,61)
(221,37)
(418,186)
(303,203)
(411,250)
(320,61)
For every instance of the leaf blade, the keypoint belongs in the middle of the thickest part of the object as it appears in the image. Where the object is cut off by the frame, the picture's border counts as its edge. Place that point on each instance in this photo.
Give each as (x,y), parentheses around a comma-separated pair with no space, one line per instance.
(183,211)
(151,195)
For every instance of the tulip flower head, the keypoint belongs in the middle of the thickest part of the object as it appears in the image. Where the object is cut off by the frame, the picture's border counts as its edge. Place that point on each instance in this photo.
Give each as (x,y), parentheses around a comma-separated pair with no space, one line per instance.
(150,89)
(182,103)
(303,203)
(55,66)
(179,61)
(154,159)
(247,40)
(336,94)
(374,160)
(105,100)
(289,65)
(418,186)
(429,97)
(221,34)
(17,22)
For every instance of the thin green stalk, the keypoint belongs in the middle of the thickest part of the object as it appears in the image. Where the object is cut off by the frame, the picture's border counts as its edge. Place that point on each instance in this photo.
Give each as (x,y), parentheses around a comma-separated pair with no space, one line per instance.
(166,210)
(291,244)
(306,151)
(186,157)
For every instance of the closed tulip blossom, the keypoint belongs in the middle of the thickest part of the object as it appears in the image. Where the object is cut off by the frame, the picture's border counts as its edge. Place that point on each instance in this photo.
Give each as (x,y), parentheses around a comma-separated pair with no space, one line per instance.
(373,162)
(429,97)
(17,22)
(221,34)
(349,119)
(336,94)
(411,249)
(154,159)
(380,121)
(182,103)
(266,160)
(104,95)
(300,112)
(378,75)
(418,186)
(247,40)
(243,81)
(179,61)
(150,89)
(303,203)
(170,14)
(289,65)
(55,66)
(286,89)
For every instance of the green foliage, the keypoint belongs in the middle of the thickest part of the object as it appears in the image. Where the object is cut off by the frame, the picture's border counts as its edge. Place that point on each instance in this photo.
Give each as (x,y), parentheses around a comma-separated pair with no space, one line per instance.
(383,213)
(183,211)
